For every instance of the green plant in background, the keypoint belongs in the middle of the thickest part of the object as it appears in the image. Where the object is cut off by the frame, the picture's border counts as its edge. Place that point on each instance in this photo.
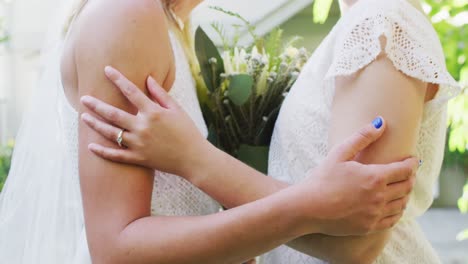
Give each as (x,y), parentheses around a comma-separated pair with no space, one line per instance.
(450,20)
(242,88)
(5,161)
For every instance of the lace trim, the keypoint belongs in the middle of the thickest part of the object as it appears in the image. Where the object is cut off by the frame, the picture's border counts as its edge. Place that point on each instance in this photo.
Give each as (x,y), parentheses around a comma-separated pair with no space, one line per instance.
(411,44)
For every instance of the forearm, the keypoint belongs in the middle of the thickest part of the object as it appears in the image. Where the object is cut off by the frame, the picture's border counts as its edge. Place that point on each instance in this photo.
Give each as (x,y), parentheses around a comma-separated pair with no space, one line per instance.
(229,181)
(351,249)
(244,184)
(231,236)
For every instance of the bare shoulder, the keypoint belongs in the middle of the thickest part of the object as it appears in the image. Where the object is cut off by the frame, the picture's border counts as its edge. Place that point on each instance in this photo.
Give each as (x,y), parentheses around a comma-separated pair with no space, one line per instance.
(131,35)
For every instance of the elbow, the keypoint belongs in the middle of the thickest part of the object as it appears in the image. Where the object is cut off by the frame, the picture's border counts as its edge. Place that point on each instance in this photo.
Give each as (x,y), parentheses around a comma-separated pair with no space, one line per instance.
(109,251)
(105,255)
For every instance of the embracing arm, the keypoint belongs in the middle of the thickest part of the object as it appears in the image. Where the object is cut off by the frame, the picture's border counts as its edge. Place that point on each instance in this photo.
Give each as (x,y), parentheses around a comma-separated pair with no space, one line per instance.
(379,88)
(362,190)
(116,196)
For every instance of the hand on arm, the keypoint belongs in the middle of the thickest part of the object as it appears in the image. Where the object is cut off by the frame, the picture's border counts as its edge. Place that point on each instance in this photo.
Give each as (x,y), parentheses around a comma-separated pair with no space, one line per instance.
(379,88)
(212,168)
(117,196)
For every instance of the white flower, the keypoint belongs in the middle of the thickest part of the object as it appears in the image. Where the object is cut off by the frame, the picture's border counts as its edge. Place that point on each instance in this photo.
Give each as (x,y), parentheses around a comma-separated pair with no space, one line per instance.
(292,52)
(228,69)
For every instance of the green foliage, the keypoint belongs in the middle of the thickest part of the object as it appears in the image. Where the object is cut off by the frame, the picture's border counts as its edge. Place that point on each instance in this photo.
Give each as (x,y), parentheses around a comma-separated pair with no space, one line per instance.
(254,156)
(450,20)
(240,88)
(452,28)
(5,162)
(250,28)
(321,10)
(243,88)
(209,58)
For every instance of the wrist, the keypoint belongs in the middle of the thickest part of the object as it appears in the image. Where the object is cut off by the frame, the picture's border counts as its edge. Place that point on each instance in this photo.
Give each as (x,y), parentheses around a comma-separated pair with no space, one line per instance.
(201,163)
(301,211)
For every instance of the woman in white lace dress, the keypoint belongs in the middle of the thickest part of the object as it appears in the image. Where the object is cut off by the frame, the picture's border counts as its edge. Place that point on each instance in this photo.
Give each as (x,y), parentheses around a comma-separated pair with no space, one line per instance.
(383,57)
(130,214)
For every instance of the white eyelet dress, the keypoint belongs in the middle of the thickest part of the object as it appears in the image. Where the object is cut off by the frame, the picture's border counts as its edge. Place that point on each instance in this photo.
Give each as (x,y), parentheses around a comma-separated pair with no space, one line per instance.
(301,134)
(172,195)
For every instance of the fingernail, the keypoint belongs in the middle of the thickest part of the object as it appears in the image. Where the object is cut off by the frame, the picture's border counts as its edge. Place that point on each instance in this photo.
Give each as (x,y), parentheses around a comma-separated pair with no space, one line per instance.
(110,72)
(92,147)
(85,99)
(378,122)
(421,162)
(152,81)
(85,117)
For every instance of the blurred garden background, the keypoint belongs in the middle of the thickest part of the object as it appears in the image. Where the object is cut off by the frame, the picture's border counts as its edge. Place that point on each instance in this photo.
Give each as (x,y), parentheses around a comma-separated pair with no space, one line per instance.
(24,28)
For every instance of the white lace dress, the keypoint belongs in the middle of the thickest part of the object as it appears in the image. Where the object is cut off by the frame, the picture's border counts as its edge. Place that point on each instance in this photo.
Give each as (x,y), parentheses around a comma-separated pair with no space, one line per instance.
(301,134)
(172,195)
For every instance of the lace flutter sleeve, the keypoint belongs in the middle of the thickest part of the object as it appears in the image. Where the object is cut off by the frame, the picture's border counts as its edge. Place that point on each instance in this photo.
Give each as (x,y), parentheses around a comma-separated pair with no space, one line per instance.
(411,43)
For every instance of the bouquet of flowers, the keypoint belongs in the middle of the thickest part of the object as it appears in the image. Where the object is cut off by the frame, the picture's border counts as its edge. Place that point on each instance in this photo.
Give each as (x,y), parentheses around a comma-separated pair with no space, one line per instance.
(241,89)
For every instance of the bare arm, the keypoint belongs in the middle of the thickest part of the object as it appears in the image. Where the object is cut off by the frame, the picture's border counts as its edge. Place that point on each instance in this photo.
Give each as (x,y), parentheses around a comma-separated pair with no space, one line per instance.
(379,89)
(245,184)
(211,168)
(117,197)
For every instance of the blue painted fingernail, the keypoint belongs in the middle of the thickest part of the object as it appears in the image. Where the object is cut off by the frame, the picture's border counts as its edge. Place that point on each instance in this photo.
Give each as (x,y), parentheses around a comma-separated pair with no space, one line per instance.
(421,162)
(378,122)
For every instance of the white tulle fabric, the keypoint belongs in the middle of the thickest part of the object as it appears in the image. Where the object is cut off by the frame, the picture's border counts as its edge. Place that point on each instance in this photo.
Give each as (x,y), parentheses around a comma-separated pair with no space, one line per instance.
(301,134)
(41,214)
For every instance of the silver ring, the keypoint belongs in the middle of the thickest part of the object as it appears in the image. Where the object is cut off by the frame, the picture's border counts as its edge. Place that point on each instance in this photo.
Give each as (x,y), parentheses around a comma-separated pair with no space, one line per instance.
(119,138)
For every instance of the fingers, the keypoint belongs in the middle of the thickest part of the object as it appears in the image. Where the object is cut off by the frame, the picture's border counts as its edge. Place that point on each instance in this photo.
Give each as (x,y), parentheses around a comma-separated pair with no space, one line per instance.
(159,94)
(110,113)
(361,140)
(389,222)
(398,171)
(129,89)
(396,207)
(115,155)
(399,190)
(109,132)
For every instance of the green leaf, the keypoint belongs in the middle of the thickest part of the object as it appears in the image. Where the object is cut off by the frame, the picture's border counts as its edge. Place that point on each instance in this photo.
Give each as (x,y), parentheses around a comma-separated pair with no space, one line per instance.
(206,50)
(460,3)
(321,10)
(254,156)
(240,88)
(463,205)
(212,137)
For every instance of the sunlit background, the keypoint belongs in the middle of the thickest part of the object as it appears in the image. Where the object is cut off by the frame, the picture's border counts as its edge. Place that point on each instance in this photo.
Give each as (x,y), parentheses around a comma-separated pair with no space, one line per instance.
(24,27)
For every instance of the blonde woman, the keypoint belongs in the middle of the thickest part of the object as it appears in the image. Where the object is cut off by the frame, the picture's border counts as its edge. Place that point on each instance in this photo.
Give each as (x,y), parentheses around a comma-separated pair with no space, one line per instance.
(64,204)
(383,57)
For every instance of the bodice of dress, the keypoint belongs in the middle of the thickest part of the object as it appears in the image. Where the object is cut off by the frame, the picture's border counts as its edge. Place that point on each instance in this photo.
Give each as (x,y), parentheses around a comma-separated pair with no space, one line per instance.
(172,195)
(300,139)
